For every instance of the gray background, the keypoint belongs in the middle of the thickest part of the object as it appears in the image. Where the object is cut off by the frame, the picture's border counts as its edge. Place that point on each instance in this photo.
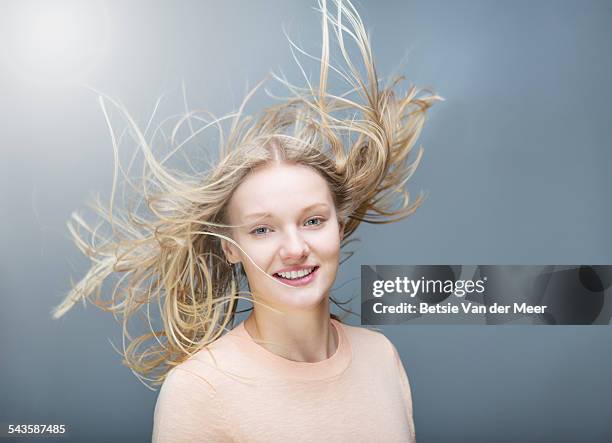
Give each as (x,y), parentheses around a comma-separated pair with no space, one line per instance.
(516,170)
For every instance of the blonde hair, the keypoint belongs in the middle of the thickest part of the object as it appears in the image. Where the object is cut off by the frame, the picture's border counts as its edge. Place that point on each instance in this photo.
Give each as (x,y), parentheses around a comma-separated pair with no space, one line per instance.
(359,141)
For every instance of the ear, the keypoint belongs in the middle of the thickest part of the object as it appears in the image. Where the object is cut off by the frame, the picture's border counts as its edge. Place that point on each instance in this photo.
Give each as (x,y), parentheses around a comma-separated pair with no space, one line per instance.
(341,225)
(230,251)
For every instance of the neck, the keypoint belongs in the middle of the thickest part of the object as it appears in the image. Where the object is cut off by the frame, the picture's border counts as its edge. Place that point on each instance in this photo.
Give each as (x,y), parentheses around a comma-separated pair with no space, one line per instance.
(298,336)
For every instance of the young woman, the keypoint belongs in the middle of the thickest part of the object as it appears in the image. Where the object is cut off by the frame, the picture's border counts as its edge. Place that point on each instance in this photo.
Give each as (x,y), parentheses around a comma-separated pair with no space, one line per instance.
(290,187)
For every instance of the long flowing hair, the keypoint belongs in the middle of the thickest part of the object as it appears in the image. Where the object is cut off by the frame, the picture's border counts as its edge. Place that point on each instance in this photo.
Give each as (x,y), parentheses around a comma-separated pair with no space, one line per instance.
(171,260)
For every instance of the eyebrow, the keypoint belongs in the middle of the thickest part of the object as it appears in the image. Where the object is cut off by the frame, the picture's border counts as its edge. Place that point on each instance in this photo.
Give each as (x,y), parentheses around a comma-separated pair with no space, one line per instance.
(258,215)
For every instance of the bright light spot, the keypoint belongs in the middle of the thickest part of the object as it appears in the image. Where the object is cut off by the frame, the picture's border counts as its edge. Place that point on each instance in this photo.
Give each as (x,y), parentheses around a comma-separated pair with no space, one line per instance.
(56,40)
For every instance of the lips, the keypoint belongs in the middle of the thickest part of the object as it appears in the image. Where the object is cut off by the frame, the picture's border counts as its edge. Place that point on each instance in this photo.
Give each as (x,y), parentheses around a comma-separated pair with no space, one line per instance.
(299,281)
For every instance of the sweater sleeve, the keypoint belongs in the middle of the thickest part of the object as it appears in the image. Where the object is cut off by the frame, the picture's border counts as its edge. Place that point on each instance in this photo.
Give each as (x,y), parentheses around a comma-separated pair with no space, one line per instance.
(405,387)
(187,410)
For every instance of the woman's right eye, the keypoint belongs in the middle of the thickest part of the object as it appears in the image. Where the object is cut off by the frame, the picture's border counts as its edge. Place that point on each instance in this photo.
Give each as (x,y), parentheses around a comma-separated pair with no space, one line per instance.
(260,230)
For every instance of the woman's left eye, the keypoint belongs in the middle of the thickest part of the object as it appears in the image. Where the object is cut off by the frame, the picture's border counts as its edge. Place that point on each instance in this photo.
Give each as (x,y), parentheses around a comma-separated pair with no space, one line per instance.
(317,220)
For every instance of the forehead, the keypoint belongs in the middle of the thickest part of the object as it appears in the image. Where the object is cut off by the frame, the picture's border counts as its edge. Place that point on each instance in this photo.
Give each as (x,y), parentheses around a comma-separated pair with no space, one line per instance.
(283,189)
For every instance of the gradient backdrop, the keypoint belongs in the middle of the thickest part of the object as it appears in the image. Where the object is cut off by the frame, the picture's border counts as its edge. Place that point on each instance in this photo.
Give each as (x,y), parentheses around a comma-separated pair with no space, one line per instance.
(517,171)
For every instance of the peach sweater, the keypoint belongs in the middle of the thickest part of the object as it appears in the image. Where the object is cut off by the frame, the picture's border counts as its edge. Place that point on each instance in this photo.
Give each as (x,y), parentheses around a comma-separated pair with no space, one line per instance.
(236,390)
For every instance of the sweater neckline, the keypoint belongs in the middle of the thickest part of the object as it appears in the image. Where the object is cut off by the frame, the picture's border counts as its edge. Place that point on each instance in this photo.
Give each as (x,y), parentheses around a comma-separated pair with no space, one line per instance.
(330,367)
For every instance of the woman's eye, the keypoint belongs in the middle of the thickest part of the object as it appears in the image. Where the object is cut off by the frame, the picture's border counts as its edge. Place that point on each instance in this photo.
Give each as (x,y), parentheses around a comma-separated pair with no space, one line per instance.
(260,230)
(317,221)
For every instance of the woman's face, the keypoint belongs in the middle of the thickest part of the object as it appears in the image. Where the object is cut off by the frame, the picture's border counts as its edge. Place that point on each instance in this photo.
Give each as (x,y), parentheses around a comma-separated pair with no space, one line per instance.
(290,228)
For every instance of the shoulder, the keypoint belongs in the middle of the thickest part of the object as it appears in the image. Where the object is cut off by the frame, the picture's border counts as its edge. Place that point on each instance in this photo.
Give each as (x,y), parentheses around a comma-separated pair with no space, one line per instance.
(363,335)
(369,342)
(221,361)
(188,408)
(185,390)
(185,401)
(197,378)
(186,378)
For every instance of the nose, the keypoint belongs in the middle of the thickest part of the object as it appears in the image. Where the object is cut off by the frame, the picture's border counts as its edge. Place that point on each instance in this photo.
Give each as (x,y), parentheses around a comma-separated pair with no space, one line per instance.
(293,246)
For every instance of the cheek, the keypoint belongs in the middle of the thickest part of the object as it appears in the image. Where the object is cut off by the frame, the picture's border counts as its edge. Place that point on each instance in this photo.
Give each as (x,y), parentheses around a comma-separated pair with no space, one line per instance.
(328,245)
(261,251)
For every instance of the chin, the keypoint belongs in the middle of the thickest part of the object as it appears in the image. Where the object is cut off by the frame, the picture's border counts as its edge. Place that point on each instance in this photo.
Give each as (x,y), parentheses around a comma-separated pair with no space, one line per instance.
(297,298)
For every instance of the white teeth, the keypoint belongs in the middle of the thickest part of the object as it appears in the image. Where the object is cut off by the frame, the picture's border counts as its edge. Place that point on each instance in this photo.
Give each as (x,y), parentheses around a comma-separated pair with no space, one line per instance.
(295,274)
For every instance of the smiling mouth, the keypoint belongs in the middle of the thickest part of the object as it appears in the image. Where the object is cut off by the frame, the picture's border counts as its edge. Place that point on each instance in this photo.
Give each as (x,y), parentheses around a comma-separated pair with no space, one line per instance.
(297,281)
